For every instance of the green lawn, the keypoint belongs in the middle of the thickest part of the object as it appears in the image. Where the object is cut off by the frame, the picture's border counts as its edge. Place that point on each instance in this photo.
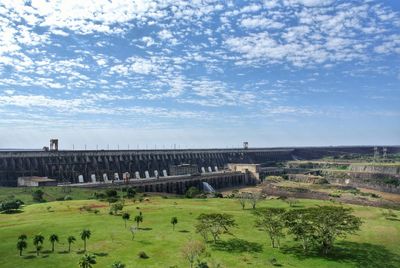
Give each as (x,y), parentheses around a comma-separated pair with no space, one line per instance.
(376,245)
(51,193)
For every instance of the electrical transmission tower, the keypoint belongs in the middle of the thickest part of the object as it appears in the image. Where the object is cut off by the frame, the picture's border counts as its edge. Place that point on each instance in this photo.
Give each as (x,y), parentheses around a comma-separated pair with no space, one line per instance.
(384,154)
(376,153)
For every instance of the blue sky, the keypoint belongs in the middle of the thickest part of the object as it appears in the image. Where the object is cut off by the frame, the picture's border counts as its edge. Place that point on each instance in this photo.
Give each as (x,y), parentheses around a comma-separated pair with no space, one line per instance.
(199,73)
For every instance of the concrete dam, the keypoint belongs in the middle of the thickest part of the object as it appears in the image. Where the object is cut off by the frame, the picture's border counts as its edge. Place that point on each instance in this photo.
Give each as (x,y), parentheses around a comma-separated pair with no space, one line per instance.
(84,166)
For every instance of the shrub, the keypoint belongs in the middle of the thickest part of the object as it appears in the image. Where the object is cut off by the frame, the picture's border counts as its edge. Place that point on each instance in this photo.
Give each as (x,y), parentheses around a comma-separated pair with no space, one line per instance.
(99,195)
(115,208)
(393,181)
(192,192)
(38,196)
(111,193)
(201,264)
(130,192)
(273,178)
(321,181)
(67,197)
(143,255)
(112,199)
(218,195)
(9,206)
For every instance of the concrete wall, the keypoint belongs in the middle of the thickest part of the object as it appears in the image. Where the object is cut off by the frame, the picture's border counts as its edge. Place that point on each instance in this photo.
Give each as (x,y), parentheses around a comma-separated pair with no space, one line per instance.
(66,166)
(180,184)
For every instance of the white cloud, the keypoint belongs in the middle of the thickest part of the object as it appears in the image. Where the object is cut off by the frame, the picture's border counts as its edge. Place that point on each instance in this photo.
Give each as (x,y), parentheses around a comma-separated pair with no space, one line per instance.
(148,41)
(309,3)
(260,22)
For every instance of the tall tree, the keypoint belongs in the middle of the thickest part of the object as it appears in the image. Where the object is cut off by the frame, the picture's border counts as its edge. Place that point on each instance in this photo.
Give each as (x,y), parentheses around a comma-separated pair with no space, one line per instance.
(53,239)
(85,234)
(87,260)
(192,250)
(215,224)
(21,245)
(174,221)
(271,220)
(300,223)
(71,239)
(321,226)
(23,237)
(253,199)
(242,198)
(125,217)
(38,243)
(138,219)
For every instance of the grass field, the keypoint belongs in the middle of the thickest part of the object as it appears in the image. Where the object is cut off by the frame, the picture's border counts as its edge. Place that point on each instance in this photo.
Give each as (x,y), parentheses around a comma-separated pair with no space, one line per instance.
(376,245)
(51,193)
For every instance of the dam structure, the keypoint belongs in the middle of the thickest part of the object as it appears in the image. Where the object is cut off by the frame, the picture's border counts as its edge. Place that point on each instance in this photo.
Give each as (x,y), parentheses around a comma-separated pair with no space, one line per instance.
(72,166)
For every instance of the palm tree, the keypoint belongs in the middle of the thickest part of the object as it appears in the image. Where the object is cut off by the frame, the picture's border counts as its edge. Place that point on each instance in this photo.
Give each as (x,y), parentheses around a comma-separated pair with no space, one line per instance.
(71,239)
(87,260)
(23,237)
(21,245)
(38,242)
(85,234)
(138,219)
(174,220)
(118,264)
(53,238)
(126,217)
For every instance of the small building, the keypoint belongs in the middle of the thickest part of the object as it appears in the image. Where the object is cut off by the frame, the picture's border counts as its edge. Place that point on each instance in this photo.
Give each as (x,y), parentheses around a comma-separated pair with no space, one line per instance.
(251,169)
(183,169)
(34,181)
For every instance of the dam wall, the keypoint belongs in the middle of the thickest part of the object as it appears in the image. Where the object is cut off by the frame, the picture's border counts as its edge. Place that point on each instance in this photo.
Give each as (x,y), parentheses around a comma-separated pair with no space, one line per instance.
(86,166)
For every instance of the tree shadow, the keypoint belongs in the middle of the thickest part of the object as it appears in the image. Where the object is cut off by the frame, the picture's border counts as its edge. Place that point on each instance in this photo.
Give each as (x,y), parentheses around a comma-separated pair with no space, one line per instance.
(46,251)
(81,252)
(145,242)
(63,252)
(392,219)
(184,231)
(28,257)
(361,254)
(145,229)
(101,254)
(14,211)
(237,245)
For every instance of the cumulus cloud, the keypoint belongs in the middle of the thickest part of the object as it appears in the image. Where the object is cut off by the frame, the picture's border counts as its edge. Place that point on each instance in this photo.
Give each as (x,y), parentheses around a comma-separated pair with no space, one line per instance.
(108,57)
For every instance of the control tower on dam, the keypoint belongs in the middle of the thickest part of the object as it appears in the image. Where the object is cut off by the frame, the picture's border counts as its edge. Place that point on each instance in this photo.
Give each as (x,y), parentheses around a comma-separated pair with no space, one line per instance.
(78,166)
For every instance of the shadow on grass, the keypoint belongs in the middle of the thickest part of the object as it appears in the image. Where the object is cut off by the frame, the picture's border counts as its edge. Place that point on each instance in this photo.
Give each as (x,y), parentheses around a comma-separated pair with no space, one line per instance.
(145,229)
(145,242)
(28,257)
(46,251)
(14,211)
(237,245)
(392,219)
(80,252)
(361,254)
(63,252)
(184,231)
(101,254)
